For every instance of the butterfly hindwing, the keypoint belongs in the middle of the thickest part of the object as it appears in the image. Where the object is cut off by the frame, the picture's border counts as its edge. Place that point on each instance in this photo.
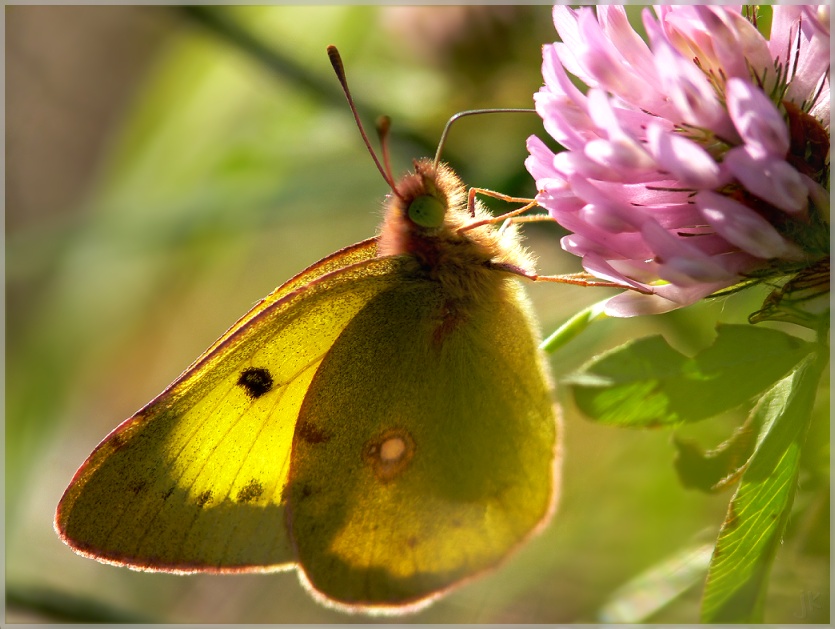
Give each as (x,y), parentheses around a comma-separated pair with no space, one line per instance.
(424,450)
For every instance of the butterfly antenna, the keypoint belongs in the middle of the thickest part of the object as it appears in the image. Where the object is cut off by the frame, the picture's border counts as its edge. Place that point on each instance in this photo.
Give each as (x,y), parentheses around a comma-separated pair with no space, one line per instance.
(383,126)
(339,68)
(472,112)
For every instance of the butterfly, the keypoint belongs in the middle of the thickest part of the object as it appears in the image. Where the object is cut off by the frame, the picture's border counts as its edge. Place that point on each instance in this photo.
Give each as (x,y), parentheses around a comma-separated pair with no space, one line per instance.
(383,422)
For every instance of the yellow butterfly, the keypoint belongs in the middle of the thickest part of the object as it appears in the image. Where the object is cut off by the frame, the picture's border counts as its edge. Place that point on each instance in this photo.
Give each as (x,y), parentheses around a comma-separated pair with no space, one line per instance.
(382,421)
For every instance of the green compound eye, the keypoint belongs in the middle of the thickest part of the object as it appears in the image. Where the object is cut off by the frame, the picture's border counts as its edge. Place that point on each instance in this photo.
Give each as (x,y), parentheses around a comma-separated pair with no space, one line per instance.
(427,211)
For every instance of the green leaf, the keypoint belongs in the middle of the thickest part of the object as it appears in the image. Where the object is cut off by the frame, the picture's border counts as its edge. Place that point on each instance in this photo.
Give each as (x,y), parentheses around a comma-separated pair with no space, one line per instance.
(757,516)
(575,326)
(714,470)
(56,605)
(647,383)
(654,589)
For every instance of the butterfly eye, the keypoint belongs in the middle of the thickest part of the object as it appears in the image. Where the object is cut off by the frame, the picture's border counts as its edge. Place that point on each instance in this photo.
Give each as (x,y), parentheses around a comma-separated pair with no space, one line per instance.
(427,211)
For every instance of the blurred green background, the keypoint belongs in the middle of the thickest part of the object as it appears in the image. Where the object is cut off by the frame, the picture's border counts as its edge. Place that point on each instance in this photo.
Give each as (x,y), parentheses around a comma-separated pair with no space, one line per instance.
(168,167)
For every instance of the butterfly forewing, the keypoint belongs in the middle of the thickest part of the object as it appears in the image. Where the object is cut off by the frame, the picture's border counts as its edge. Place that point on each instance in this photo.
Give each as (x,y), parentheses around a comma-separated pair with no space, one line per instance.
(196,480)
(359,252)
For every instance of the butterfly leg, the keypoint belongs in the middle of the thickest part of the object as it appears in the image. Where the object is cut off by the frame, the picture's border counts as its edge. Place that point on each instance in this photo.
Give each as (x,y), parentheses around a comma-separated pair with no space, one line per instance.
(576,279)
(513,214)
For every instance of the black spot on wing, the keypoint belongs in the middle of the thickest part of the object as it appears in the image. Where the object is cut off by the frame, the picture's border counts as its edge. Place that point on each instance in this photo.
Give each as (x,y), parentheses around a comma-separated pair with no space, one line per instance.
(204,499)
(251,491)
(138,487)
(310,433)
(256,381)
